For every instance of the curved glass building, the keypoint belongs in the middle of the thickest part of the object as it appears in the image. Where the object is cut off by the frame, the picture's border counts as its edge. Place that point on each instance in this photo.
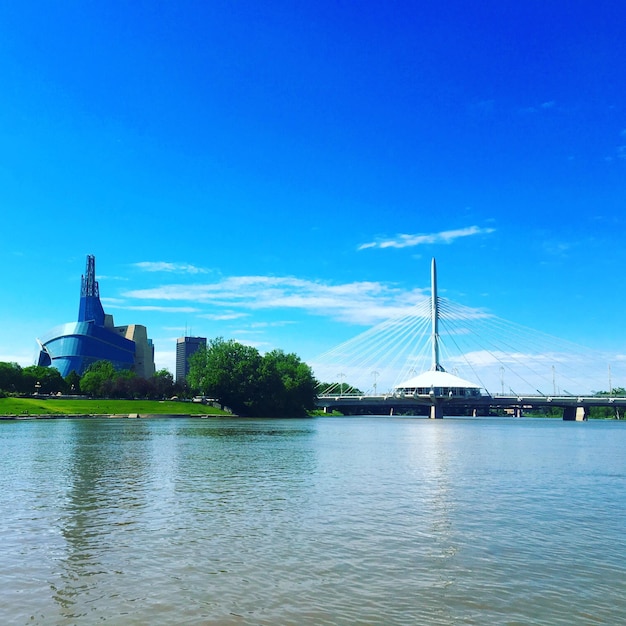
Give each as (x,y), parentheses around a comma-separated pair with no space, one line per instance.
(73,347)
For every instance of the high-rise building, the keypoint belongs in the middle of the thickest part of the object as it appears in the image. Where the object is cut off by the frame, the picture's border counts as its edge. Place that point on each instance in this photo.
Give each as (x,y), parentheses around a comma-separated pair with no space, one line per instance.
(94,337)
(185,348)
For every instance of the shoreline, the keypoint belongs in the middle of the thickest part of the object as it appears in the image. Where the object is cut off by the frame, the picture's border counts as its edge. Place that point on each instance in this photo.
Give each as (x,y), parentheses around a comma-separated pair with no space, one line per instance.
(53,416)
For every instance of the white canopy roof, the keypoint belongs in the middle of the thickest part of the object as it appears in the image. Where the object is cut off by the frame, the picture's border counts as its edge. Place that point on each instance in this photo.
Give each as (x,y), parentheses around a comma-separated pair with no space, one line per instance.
(434,378)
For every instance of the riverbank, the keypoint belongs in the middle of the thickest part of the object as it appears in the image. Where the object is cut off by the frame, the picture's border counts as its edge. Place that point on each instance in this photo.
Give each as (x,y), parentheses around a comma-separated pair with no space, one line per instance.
(50,408)
(75,416)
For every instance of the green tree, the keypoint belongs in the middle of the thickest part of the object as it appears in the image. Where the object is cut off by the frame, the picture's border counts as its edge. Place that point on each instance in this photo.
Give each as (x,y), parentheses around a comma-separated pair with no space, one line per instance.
(42,379)
(297,392)
(228,371)
(122,385)
(338,388)
(607,412)
(72,380)
(616,391)
(163,384)
(98,378)
(274,385)
(268,398)
(10,377)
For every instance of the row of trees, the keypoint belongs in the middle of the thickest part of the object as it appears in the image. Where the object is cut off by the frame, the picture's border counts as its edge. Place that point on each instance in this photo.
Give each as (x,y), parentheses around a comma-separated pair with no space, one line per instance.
(100,380)
(27,380)
(237,376)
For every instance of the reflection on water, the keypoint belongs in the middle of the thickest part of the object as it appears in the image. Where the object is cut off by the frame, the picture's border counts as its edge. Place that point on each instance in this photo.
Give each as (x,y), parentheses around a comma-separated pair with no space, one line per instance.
(104,497)
(328,521)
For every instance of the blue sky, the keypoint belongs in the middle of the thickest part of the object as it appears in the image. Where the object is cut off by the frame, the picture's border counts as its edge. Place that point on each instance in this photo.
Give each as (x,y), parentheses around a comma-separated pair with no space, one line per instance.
(281,173)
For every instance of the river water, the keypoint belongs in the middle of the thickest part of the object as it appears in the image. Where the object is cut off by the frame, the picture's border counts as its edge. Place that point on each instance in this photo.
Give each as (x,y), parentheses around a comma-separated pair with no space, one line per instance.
(318,521)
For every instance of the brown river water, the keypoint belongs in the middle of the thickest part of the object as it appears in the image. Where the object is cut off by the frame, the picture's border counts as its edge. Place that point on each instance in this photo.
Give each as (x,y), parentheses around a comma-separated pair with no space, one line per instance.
(371,520)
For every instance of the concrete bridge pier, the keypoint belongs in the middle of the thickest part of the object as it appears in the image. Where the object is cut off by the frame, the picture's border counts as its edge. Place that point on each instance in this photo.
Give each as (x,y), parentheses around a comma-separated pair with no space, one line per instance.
(575,413)
(436,411)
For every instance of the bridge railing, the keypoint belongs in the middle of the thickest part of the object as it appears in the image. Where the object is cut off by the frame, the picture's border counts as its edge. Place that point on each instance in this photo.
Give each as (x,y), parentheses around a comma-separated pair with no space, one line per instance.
(481,399)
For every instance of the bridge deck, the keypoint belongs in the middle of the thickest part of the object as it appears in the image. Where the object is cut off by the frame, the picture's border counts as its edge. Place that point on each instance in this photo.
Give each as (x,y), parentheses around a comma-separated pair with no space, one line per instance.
(495,401)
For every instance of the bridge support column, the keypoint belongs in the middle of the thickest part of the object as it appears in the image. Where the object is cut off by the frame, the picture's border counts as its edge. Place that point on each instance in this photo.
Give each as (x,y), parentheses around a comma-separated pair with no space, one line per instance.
(575,413)
(517,412)
(436,411)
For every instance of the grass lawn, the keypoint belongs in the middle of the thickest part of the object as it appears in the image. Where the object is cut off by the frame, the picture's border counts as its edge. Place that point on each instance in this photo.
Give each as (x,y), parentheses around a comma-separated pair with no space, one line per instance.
(62,406)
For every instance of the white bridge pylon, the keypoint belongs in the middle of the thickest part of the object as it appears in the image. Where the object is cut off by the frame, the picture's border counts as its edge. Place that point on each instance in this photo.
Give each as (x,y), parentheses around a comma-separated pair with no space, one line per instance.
(499,356)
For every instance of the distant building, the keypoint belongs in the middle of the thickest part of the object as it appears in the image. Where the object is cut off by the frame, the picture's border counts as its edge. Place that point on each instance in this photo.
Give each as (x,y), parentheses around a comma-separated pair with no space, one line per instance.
(185,348)
(94,337)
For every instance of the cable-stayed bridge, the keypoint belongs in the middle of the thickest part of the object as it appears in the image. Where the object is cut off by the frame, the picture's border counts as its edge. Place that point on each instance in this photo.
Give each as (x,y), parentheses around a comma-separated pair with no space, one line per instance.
(510,365)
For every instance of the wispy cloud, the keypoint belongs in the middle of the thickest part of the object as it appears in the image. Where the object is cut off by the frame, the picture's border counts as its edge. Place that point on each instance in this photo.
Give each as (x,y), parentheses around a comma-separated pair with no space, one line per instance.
(112,302)
(543,106)
(223,317)
(276,324)
(358,302)
(157,308)
(110,277)
(557,248)
(259,345)
(172,268)
(446,236)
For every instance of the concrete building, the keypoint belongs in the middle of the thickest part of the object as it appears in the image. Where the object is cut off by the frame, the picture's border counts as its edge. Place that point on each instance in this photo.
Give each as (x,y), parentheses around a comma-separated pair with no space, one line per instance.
(94,337)
(185,348)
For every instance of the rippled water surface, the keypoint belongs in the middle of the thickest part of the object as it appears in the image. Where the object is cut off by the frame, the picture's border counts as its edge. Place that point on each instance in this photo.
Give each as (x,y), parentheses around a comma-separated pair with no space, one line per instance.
(322,521)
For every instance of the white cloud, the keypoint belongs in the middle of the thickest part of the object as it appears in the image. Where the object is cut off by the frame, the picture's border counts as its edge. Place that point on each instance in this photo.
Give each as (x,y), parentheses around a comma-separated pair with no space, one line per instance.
(446,236)
(112,302)
(157,308)
(223,317)
(111,277)
(262,346)
(543,106)
(358,302)
(176,268)
(276,324)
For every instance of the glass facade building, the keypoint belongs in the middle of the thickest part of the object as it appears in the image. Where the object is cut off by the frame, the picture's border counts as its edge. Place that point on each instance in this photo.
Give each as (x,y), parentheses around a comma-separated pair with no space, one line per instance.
(73,347)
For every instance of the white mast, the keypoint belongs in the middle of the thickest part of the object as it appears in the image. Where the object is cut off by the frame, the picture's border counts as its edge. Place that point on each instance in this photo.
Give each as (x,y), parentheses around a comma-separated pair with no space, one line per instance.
(436,366)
